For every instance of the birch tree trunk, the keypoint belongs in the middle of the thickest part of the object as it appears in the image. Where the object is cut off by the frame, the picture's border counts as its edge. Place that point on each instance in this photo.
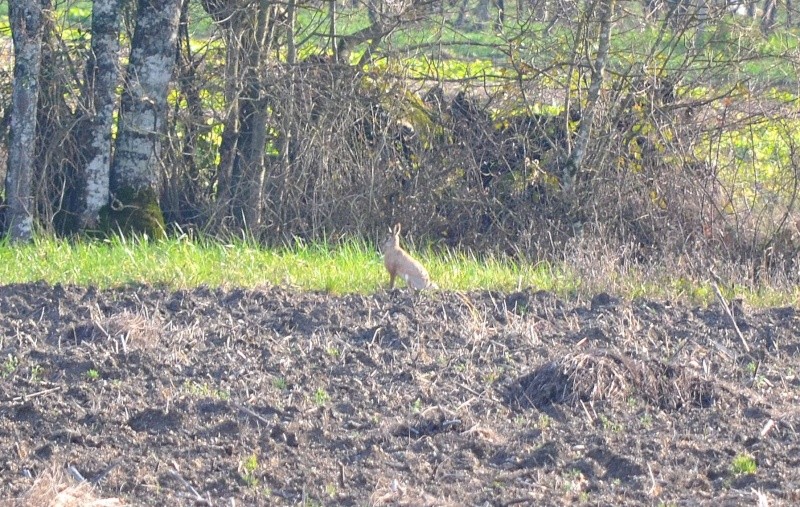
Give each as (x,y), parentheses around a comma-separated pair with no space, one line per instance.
(134,203)
(26,18)
(100,99)
(574,163)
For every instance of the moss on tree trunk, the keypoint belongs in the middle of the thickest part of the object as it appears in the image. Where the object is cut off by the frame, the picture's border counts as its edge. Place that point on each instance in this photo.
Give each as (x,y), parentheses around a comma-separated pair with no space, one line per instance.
(133,212)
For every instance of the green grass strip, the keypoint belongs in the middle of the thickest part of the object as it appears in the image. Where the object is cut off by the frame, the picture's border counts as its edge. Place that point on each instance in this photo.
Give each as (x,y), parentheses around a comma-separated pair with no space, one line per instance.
(353,266)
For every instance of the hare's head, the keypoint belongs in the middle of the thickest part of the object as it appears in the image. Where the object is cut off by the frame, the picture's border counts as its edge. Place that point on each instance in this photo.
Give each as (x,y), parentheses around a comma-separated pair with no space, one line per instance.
(392,241)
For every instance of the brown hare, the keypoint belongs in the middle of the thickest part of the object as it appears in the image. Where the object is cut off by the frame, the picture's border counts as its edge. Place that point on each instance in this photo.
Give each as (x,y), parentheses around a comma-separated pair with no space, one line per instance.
(399,263)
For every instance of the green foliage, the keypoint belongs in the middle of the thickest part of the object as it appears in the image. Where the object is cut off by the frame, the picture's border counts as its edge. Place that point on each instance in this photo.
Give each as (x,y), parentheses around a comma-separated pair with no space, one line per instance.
(9,366)
(743,464)
(36,373)
(610,425)
(204,390)
(321,396)
(351,266)
(544,422)
(423,66)
(331,490)
(77,14)
(250,464)
(249,467)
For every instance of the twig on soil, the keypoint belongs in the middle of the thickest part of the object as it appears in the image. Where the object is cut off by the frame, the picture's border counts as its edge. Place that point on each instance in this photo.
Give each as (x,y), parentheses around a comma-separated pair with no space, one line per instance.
(442,409)
(252,414)
(466,403)
(375,335)
(588,415)
(467,388)
(75,474)
(102,475)
(517,501)
(763,500)
(728,310)
(198,498)
(26,397)
(655,490)
(767,427)
(678,350)
(725,351)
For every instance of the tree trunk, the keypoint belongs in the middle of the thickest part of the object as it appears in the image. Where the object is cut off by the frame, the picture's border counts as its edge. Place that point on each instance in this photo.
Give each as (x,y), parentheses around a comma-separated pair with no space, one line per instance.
(183,195)
(574,163)
(26,27)
(100,99)
(230,130)
(247,178)
(770,16)
(333,31)
(134,203)
(291,61)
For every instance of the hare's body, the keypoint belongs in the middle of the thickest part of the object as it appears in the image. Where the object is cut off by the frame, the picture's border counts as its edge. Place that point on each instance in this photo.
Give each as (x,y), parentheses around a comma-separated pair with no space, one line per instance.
(399,263)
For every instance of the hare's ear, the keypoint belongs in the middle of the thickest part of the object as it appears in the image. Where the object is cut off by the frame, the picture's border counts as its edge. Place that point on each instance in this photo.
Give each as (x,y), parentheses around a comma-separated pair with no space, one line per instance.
(396,230)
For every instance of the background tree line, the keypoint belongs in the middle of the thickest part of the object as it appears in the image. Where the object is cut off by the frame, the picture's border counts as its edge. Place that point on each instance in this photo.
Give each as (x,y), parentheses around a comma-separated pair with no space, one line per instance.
(636,130)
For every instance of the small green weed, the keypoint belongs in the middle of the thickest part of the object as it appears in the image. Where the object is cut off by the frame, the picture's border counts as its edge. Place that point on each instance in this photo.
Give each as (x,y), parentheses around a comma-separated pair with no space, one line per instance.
(10,365)
(544,421)
(610,425)
(321,396)
(331,490)
(248,468)
(92,375)
(279,383)
(743,464)
(36,373)
(204,390)
(753,368)
(491,377)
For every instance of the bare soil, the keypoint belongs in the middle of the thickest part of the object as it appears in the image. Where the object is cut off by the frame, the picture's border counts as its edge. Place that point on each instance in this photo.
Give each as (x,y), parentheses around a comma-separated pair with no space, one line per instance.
(279,397)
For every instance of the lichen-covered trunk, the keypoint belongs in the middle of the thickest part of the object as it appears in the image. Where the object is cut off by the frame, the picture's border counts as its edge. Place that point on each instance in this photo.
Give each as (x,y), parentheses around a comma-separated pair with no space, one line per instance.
(100,99)
(133,205)
(26,27)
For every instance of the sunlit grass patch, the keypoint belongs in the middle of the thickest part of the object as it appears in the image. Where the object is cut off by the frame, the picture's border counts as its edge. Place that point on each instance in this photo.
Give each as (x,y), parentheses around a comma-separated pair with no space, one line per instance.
(349,266)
